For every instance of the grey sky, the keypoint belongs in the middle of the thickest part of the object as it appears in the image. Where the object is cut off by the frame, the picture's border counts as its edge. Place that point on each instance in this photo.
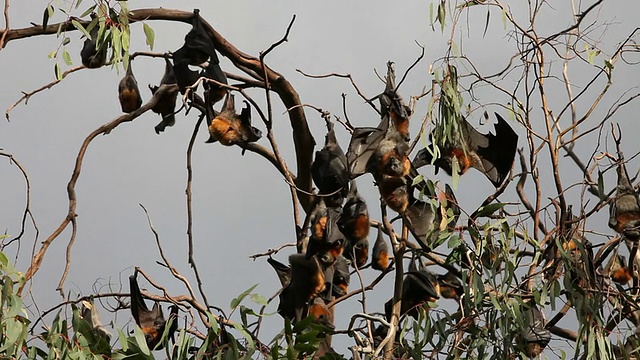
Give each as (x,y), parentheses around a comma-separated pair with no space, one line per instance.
(133,165)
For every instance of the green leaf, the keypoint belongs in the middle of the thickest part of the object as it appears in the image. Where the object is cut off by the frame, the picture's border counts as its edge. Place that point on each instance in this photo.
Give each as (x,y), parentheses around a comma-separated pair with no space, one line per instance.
(89,10)
(149,34)
(125,40)
(442,13)
(79,26)
(122,337)
(141,341)
(58,72)
(235,302)
(259,299)
(66,57)
(489,209)
(48,13)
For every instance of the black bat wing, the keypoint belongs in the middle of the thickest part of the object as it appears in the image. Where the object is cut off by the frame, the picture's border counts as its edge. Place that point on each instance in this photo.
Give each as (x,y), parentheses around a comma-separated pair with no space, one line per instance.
(199,43)
(184,76)
(422,285)
(139,309)
(363,145)
(330,171)
(419,218)
(535,330)
(496,152)
(283,271)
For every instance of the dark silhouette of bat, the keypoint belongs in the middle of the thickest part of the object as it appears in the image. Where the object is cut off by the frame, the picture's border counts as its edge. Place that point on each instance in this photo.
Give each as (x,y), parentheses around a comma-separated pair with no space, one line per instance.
(92,55)
(307,282)
(329,170)
(283,271)
(535,336)
(625,209)
(151,322)
(128,92)
(326,240)
(354,220)
(199,49)
(357,252)
(341,276)
(166,106)
(418,287)
(229,128)
(492,155)
(90,314)
(380,253)
(617,270)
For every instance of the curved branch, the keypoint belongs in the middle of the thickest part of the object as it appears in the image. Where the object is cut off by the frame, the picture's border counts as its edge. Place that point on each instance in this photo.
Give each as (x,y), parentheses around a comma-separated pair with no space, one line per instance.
(71,191)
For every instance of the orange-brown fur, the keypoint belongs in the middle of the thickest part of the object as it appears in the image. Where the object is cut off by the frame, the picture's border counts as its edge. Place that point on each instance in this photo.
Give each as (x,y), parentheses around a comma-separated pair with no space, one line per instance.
(362,254)
(621,276)
(226,131)
(361,227)
(319,228)
(381,262)
(382,165)
(128,100)
(624,219)
(464,161)
(320,313)
(394,192)
(401,124)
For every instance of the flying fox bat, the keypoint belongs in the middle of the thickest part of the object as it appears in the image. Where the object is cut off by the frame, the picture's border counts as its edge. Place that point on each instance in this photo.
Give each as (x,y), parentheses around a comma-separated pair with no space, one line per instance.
(357,252)
(166,106)
(625,210)
(307,281)
(418,287)
(229,128)
(383,150)
(128,92)
(380,254)
(341,277)
(354,220)
(93,56)
(326,240)
(491,154)
(151,322)
(617,270)
(535,336)
(329,170)
(199,49)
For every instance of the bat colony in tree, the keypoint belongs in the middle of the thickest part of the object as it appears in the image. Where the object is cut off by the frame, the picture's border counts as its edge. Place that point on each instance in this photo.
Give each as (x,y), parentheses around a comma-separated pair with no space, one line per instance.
(338,221)
(338,236)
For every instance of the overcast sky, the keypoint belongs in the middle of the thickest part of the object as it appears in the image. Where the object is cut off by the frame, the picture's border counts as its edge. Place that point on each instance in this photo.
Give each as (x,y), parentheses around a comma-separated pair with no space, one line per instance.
(241,204)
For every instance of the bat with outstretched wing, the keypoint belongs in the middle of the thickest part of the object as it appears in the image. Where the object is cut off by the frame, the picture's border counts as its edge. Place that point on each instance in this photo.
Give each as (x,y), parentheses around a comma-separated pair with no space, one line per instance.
(491,154)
